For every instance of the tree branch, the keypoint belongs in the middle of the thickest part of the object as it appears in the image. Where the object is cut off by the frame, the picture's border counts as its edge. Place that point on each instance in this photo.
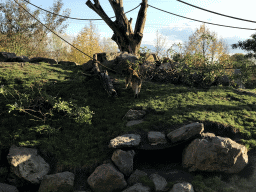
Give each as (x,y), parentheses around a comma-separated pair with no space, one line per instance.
(141,20)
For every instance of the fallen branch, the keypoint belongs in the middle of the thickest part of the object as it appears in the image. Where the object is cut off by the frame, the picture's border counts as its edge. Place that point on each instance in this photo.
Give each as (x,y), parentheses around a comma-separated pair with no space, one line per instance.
(104,78)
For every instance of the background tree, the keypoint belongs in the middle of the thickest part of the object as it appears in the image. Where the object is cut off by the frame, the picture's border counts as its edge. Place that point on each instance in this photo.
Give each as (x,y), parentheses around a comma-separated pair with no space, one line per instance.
(108,45)
(205,43)
(126,39)
(160,44)
(21,34)
(59,49)
(248,45)
(88,41)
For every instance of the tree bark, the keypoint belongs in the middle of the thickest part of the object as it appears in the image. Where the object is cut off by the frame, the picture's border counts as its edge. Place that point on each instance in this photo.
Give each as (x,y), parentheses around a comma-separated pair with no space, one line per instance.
(126,39)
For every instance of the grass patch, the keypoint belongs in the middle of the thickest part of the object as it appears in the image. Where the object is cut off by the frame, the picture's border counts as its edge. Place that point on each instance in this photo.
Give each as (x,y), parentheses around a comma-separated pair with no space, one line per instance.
(68,114)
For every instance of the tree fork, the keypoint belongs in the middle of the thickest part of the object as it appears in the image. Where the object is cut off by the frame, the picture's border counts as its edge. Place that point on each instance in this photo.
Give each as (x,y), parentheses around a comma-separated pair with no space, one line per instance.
(125,38)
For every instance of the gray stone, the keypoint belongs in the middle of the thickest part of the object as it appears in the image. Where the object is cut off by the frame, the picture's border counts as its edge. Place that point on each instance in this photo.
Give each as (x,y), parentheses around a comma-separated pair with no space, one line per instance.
(127,140)
(87,66)
(133,122)
(4,56)
(160,182)
(156,138)
(186,132)
(124,161)
(137,188)
(134,114)
(7,188)
(215,154)
(57,182)
(67,63)
(42,59)
(182,187)
(106,178)
(27,164)
(134,177)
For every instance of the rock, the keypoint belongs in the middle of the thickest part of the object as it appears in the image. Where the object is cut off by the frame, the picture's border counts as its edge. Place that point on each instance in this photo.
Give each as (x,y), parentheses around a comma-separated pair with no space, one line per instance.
(166,66)
(7,188)
(215,154)
(133,122)
(57,182)
(186,132)
(156,138)
(127,140)
(106,178)
(27,164)
(4,56)
(134,177)
(18,59)
(67,63)
(42,59)
(150,57)
(211,153)
(87,66)
(107,59)
(121,64)
(137,188)
(160,182)
(124,161)
(182,187)
(25,59)
(126,56)
(134,114)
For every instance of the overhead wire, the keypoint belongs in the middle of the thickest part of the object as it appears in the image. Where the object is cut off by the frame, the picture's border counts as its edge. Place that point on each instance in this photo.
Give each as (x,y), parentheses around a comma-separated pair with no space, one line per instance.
(216,12)
(60,36)
(73,17)
(166,12)
(199,20)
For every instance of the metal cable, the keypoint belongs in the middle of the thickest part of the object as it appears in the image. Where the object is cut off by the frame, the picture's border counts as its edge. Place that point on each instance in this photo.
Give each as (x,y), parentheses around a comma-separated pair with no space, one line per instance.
(216,12)
(72,17)
(199,20)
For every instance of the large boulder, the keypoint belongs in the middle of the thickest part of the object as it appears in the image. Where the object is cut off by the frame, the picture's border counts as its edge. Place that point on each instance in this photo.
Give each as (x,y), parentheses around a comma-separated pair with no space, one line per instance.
(4,56)
(26,164)
(42,59)
(67,63)
(88,66)
(58,182)
(134,114)
(186,132)
(182,187)
(124,161)
(106,178)
(215,154)
(122,61)
(107,59)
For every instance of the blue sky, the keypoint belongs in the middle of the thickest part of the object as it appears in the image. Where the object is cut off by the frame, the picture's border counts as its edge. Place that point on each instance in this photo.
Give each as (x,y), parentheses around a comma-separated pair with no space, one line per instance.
(174,28)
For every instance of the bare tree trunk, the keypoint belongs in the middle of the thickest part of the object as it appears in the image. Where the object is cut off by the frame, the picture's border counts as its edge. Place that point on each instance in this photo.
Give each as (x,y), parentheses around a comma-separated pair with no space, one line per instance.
(126,39)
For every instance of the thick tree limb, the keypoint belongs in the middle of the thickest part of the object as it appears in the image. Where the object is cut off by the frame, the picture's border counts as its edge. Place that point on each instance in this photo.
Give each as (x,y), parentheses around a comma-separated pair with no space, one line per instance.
(126,39)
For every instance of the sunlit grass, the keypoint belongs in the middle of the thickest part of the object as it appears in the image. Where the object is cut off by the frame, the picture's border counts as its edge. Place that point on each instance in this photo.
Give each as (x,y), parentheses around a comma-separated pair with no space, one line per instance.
(83,144)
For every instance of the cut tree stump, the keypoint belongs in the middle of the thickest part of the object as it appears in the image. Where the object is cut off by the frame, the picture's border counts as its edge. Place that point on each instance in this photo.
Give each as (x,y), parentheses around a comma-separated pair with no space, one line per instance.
(104,78)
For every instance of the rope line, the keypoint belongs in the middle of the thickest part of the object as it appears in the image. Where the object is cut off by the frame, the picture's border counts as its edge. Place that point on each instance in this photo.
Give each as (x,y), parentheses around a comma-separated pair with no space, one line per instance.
(62,38)
(199,20)
(216,12)
(73,17)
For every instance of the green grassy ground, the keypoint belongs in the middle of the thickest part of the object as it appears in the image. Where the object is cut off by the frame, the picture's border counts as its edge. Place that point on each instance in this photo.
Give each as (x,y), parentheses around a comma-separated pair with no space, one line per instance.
(66,130)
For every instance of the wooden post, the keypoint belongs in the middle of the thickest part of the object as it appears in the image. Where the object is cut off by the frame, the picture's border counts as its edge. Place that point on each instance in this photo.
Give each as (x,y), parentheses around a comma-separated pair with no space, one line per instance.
(104,78)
